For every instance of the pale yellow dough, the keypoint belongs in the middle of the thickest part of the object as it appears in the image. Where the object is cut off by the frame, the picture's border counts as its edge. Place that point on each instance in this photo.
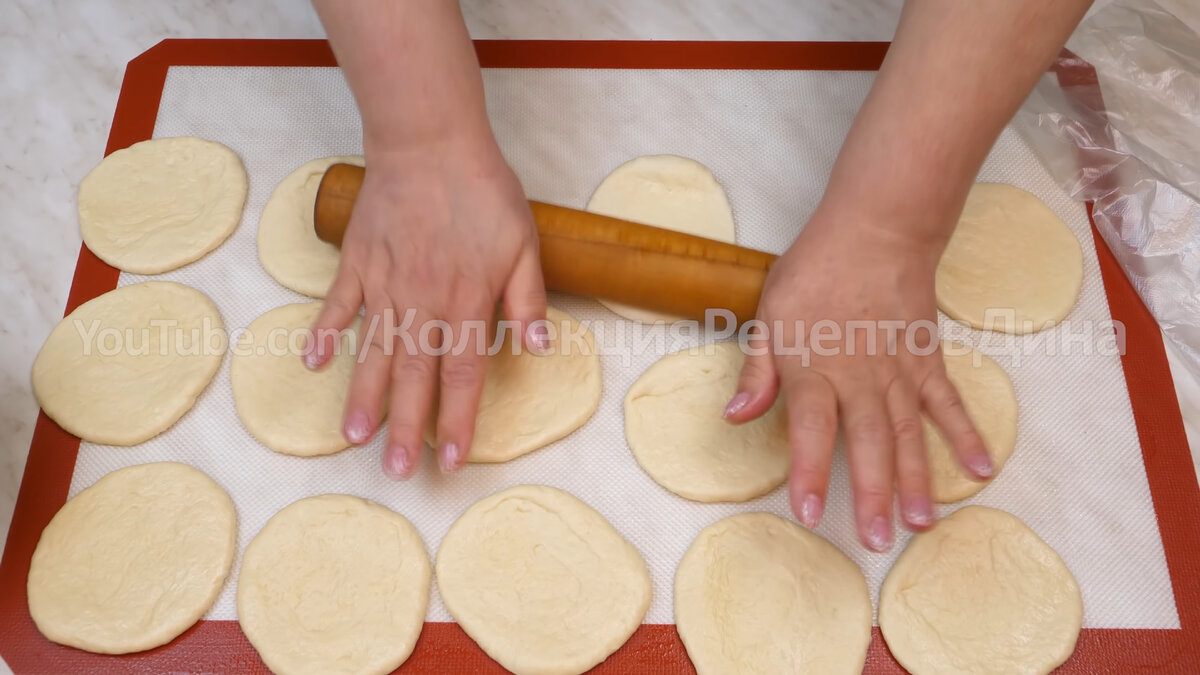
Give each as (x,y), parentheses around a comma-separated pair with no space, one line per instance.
(134,560)
(123,367)
(674,426)
(531,401)
(758,594)
(334,585)
(287,407)
(1012,255)
(980,593)
(674,193)
(542,582)
(162,203)
(288,247)
(991,403)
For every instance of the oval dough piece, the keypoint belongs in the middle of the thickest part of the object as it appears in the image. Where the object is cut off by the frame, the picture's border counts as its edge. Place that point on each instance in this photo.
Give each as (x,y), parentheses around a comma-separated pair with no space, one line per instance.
(161,204)
(988,396)
(674,193)
(334,584)
(674,425)
(531,401)
(541,581)
(758,594)
(134,560)
(124,367)
(1009,253)
(288,247)
(980,593)
(287,407)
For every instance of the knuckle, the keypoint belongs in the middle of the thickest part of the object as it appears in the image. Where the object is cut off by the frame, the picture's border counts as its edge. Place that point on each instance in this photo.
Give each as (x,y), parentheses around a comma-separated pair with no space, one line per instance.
(459,374)
(870,428)
(872,493)
(811,421)
(908,429)
(413,369)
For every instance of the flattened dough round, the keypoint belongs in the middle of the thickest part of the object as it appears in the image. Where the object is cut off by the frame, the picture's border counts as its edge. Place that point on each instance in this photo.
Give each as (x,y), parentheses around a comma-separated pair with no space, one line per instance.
(133,560)
(980,593)
(1009,252)
(162,203)
(674,426)
(531,401)
(334,584)
(991,403)
(287,407)
(667,191)
(123,367)
(288,247)
(542,582)
(758,594)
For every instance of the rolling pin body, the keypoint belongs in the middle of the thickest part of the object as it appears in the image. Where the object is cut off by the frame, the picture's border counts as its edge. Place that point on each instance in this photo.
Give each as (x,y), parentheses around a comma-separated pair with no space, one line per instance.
(589,254)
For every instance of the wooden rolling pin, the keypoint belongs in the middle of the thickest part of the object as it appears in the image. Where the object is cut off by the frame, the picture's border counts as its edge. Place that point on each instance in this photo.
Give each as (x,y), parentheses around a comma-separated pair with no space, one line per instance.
(589,254)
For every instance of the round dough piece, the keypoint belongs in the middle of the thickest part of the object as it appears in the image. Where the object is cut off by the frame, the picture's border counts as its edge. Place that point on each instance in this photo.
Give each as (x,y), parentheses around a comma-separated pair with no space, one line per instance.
(674,193)
(542,582)
(530,401)
(134,560)
(334,584)
(991,403)
(674,425)
(123,367)
(1011,255)
(288,247)
(758,594)
(287,407)
(980,593)
(161,204)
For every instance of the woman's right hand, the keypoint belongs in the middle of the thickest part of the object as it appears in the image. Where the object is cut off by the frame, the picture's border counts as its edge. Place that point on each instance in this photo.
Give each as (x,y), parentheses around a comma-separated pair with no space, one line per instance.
(439,232)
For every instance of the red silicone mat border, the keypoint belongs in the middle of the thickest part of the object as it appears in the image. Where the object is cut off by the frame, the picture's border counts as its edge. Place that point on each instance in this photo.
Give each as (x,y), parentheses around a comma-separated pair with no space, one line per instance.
(219,646)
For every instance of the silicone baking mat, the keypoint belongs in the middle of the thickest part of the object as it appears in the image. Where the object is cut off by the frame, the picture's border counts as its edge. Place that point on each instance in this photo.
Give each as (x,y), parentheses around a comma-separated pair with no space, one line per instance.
(1101,470)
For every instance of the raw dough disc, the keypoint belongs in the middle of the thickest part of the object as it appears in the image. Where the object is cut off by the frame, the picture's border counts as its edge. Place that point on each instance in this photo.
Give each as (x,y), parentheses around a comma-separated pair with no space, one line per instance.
(674,426)
(988,396)
(123,367)
(980,593)
(134,560)
(531,401)
(287,407)
(334,584)
(1009,253)
(674,193)
(162,203)
(542,582)
(288,247)
(758,594)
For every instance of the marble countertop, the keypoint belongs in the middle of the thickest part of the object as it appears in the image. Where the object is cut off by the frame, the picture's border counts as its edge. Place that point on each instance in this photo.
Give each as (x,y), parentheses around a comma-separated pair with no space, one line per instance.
(61,65)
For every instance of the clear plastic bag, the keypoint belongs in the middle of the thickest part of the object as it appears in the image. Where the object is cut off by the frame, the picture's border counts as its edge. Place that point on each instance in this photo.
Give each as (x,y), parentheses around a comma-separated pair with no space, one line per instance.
(1118,124)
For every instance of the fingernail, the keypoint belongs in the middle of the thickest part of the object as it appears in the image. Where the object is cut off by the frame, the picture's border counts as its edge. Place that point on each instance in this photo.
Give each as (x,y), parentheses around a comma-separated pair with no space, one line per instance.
(918,512)
(395,463)
(811,510)
(449,458)
(879,535)
(540,337)
(358,428)
(312,359)
(981,465)
(736,404)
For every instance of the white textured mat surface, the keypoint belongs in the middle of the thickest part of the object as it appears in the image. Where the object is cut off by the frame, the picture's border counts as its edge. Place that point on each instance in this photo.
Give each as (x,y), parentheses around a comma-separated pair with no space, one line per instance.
(1076,476)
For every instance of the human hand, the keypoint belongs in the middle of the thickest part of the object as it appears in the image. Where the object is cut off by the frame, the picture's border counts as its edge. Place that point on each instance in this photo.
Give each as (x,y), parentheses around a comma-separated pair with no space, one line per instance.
(442,233)
(844,268)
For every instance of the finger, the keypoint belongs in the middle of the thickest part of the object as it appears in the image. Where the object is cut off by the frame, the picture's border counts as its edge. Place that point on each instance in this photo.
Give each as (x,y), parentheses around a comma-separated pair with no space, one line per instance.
(912,465)
(812,432)
(461,374)
(364,404)
(525,301)
(414,381)
(340,307)
(758,384)
(869,448)
(944,404)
